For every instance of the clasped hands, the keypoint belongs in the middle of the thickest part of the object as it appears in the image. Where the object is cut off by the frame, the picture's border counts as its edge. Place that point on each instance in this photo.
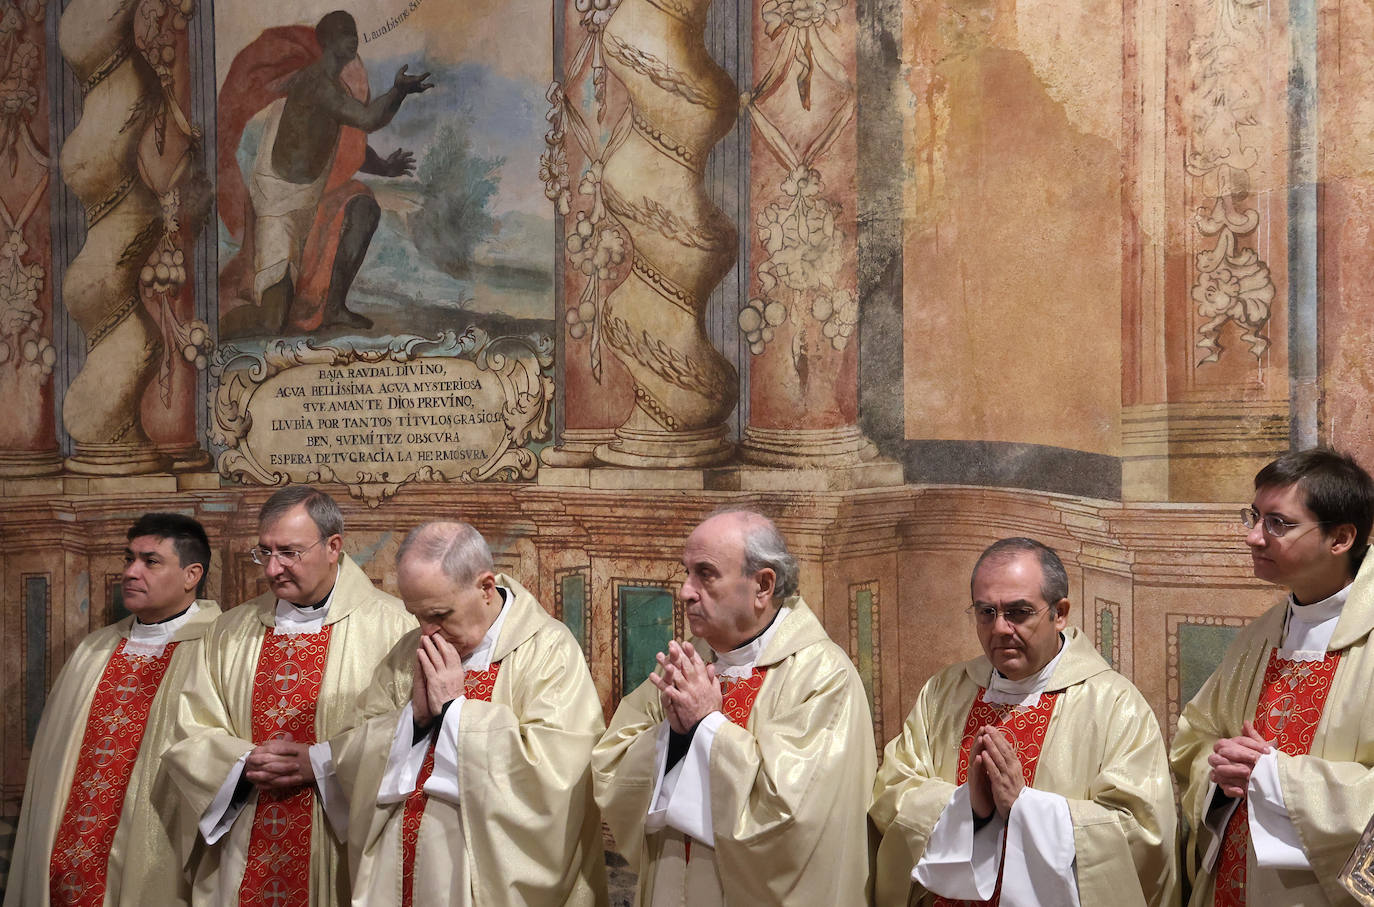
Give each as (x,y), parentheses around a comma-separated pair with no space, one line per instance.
(994,774)
(439,678)
(687,686)
(1233,759)
(279,765)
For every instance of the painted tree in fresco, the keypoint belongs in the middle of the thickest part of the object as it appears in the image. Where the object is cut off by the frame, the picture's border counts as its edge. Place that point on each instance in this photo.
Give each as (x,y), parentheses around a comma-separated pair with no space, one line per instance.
(457,186)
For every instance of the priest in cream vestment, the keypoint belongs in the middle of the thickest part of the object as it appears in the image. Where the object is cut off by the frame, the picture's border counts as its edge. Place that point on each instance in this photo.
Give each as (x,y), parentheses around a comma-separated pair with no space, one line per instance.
(1044,780)
(1274,753)
(742,780)
(472,784)
(279,676)
(118,691)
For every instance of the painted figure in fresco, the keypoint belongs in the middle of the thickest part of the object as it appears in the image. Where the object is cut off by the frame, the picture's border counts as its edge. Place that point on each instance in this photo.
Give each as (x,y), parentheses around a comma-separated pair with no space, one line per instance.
(108,719)
(1274,753)
(279,676)
(1037,744)
(304,221)
(739,772)
(490,696)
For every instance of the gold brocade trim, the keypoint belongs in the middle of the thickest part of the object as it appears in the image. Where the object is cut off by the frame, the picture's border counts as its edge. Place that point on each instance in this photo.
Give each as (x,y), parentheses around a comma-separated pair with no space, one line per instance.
(102,72)
(664,285)
(111,320)
(95,212)
(666,143)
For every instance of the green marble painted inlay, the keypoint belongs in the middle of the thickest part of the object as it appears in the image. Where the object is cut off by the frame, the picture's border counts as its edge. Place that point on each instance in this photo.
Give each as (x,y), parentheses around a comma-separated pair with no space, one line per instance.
(863,607)
(574,589)
(1200,647)
(646,628)
(36,664)
(1106,630)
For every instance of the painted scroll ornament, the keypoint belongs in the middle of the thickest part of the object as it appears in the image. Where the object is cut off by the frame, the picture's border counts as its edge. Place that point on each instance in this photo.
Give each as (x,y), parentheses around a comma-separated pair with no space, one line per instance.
(456,408)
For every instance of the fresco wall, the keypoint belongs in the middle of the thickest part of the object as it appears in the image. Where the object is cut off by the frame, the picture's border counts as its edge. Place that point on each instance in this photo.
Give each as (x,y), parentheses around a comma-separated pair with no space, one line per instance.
(908,277)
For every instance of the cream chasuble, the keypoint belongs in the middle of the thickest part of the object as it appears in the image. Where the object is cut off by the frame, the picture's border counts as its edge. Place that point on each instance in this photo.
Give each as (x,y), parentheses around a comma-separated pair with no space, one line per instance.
(1102,753)
(215,726)
(1328,793)
(142,868)
(524,828)
(786,794)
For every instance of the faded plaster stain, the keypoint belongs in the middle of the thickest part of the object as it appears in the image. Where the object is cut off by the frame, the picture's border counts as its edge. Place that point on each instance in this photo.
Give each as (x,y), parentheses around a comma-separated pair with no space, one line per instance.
(1012,281)
(365,555)
(1075,50)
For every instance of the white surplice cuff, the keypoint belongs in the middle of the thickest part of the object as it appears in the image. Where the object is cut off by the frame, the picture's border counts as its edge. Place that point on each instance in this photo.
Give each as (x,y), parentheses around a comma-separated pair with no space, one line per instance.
(665,782)
(1271,827)
(404,761)
(689,807)
(682,794)
(443,781)
(219,816)
(1215,817)
(333,800)
(1039,863)
(960,862)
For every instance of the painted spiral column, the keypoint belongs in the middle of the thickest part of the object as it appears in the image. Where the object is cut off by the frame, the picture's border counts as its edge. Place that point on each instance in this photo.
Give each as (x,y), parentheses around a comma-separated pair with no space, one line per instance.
(681,104)
(100,163)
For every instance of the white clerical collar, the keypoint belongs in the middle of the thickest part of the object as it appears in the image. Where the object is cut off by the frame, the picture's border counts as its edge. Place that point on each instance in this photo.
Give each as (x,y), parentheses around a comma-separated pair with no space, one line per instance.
(480,659)
(1308,628)
(740,662)
(1025,692)
(151,639)
(293,620)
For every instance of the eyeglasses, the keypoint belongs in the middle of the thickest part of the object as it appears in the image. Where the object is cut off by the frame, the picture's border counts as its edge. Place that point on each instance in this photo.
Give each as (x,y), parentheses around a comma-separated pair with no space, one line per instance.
(1275,526)
(987,614)
(287,556)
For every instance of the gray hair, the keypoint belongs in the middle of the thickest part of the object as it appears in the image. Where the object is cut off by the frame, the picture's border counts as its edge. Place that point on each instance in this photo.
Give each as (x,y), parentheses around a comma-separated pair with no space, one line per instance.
(764,548)
(1054,580)
(457,548)
(325,514)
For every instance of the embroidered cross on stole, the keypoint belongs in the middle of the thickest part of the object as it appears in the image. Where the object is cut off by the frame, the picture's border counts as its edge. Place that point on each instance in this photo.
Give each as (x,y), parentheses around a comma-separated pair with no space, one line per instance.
(114,731)
(476,685)
(1025,727)
(1289,710)
(286,691)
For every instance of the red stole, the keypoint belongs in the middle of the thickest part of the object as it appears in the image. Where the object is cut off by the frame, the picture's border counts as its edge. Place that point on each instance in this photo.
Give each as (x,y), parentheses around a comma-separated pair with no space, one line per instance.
(1025,728)
(1289,710)
(286,690)
(114,731)
(738,695)
(477,685)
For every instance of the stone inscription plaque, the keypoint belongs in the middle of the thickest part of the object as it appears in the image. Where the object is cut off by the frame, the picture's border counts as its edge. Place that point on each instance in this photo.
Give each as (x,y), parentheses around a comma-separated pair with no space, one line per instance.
(461,407)
(434,411)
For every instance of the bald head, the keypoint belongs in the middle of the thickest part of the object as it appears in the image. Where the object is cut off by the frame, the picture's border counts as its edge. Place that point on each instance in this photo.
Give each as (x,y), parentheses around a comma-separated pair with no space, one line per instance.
(444,573)
(456,548)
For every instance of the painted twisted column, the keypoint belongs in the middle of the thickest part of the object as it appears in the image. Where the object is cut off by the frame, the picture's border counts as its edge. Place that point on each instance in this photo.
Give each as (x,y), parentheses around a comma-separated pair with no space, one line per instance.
(28,434)
(100,164)
(682,104)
